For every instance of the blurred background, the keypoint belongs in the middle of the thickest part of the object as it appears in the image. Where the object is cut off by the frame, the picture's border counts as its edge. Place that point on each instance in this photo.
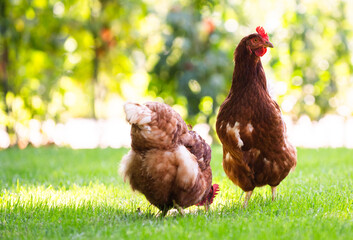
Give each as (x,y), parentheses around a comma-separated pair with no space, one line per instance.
(67,66)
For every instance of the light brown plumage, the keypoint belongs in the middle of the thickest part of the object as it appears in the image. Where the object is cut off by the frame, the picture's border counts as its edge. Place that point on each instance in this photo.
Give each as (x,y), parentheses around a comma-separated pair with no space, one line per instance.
(249,124)
(167,163)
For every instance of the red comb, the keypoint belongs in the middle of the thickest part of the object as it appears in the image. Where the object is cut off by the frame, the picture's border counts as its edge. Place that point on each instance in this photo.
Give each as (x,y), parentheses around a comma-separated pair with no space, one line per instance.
(261,31)
(209,199)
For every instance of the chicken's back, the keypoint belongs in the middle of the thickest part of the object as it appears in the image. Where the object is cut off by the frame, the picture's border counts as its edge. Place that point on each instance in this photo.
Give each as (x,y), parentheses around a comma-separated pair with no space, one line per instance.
(167,161)
(154,125)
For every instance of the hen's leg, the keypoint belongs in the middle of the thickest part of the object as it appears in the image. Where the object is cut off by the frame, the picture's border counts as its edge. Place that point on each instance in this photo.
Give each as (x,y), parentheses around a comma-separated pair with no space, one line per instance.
(273,193)
(207,206)
(247,197)
(180,209)
(162,213)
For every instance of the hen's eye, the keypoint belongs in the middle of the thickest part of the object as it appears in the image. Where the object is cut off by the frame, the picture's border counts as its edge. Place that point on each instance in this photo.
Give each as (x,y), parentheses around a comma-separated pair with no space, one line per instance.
(255,39)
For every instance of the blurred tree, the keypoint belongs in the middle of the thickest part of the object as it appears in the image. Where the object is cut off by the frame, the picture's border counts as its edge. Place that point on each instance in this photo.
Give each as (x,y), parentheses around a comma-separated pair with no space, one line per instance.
(4,60)
(194,67)
(317,41)
(63,55)
(63,59)
(29,64)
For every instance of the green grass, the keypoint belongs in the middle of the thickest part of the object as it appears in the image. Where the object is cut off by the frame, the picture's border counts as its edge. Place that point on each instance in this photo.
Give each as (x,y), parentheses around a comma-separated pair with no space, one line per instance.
(59,193)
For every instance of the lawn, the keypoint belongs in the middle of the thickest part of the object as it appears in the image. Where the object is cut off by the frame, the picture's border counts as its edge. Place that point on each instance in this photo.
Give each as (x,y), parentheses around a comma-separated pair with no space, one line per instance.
(60,193)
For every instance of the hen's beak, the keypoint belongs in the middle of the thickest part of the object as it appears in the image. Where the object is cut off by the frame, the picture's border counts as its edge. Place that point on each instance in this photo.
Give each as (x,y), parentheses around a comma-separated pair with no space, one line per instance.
(268,44)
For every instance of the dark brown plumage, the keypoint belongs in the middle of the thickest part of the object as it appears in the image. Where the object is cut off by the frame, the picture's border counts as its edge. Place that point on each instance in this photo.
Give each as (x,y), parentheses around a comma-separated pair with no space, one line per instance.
(167,163)
(250,125)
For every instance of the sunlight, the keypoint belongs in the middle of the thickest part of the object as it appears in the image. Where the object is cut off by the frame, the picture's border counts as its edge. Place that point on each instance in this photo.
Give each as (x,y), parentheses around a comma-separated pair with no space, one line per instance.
(4,138)
(75,196)
(231,25)
(59,9)
(166,54)
(330,131)
(70,44)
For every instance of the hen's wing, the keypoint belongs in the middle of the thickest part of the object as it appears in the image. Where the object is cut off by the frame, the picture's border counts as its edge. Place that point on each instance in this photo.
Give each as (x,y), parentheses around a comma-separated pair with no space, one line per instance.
(196,160)
(198,147)
(256,150)
(269,136)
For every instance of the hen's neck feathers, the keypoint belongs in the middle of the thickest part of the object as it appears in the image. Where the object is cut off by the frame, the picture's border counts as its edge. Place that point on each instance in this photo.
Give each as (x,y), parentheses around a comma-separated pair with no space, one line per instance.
(248,70)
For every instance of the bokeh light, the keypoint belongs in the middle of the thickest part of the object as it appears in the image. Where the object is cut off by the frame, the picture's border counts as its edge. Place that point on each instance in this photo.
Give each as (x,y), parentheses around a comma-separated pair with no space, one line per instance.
(67,67)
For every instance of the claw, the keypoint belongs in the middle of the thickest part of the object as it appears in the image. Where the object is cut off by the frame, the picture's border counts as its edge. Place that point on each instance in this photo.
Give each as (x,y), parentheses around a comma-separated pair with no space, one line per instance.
(161,213)
(180,209)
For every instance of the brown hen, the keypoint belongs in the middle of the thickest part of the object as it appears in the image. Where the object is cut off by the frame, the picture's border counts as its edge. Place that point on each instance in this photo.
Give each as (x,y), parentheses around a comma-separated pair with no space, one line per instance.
(249,124)
(167,163)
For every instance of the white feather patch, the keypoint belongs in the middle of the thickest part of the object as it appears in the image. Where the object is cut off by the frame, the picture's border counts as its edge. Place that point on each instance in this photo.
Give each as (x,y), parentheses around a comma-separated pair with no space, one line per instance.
(221,126)
(227,157)
(137,113)
(187,169)
(235,129)
(125,164)
(250,127)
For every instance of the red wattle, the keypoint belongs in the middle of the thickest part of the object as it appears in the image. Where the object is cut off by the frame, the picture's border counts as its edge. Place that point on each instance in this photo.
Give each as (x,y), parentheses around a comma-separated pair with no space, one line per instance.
(209,199)
(260,51)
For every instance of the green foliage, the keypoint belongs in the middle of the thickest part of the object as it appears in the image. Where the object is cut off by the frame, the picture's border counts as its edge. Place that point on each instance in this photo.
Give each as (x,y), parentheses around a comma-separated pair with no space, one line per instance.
(60,49)
(317,42)
(61,193)
(191,68)
(62,59)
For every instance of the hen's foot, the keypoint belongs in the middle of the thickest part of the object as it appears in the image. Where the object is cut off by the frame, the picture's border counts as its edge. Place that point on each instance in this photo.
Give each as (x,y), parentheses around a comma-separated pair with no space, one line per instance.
(180,209)
(162,213)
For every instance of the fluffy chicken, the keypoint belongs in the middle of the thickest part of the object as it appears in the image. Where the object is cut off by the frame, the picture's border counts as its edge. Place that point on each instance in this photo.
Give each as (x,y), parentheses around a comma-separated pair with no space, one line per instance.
(168,163)
(249,124)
